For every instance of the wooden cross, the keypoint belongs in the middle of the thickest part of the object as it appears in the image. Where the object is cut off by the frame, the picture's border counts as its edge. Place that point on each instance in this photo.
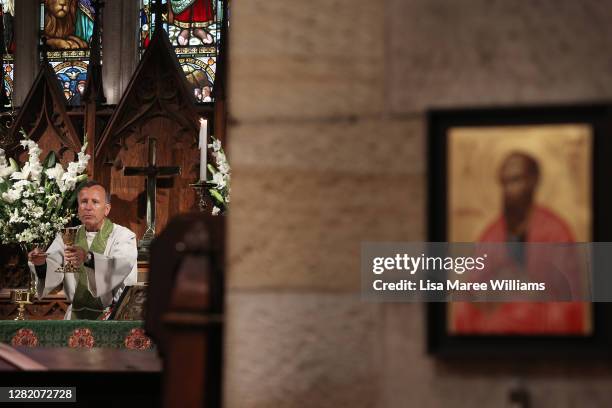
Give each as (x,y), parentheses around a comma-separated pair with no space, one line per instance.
(152,172)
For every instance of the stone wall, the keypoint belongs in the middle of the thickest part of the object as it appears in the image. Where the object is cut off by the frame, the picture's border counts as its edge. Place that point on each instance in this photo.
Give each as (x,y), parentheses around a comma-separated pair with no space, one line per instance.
(327,144)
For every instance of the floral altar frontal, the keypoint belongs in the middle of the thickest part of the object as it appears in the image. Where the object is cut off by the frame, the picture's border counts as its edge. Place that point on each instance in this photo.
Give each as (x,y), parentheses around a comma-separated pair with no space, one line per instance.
(83,334)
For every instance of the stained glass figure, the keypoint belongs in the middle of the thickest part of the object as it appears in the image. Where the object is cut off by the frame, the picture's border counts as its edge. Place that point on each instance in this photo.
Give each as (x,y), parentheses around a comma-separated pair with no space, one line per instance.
(194,30)
(67,26)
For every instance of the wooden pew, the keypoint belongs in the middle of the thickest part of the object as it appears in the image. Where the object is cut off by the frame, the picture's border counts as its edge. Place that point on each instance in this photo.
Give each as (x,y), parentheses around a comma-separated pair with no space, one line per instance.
(185,308)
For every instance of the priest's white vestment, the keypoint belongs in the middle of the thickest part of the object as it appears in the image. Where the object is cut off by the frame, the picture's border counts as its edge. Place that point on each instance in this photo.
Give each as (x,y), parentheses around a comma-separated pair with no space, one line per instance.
(113,270)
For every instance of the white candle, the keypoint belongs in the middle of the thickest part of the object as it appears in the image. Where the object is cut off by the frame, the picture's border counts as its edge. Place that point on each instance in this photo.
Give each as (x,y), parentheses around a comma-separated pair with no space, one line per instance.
(203,148)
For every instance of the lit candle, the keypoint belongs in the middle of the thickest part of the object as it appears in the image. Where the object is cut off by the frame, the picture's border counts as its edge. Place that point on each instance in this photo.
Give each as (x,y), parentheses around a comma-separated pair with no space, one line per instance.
(203,148)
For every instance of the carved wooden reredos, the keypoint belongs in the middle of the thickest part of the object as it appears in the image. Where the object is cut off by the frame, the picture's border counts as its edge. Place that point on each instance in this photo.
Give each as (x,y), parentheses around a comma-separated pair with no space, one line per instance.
(157,103)
(45,119)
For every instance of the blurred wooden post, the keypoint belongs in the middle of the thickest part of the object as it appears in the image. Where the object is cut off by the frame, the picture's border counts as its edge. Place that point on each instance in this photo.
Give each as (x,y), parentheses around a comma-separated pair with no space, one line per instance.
(184,311)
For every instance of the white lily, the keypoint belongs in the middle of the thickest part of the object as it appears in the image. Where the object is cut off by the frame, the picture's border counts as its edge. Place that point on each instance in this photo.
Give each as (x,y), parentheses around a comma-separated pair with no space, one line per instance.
(55,173)
(223,167)
(24,174)
(68,181)
(35,171)
(28,144)
(83,159)
(21,184)
(37,212)
(15,217)
(219,180)
(215,145)
(5,171)
(11,196)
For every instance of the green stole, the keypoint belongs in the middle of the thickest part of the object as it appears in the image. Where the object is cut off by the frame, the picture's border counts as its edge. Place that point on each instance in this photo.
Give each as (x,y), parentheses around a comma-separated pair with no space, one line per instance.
(84,305)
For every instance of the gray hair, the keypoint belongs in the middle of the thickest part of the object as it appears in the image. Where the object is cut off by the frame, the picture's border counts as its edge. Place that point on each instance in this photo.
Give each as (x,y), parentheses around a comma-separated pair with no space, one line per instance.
(93,183)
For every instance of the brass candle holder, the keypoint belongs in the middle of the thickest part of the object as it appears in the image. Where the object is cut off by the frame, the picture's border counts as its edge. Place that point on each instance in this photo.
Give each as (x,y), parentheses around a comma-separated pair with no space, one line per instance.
(201,189)
(21,297)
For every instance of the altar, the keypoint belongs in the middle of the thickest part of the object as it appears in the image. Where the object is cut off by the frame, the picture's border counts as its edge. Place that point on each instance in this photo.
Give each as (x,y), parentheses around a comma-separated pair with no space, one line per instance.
(83,334)
(54,306)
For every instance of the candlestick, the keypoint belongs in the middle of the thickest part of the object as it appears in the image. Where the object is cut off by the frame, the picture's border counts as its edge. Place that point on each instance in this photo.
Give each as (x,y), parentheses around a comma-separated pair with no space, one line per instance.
(203,144)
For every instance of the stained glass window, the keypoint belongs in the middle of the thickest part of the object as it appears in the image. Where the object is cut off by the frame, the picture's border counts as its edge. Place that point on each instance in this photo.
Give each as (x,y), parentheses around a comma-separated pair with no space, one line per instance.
(67,26)
(8,48)
(194,30)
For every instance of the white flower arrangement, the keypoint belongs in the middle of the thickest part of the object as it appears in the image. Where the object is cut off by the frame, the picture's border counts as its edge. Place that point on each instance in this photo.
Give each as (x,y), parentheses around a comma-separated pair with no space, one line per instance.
(219,184)
(38,200)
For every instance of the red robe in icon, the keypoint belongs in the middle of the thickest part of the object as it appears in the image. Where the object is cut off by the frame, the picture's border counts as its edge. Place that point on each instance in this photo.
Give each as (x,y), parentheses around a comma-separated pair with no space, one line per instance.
(529,318)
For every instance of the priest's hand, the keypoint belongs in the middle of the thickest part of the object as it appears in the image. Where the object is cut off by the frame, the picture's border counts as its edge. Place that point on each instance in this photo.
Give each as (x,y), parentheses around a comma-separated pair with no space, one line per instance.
(37,256)
(75,255)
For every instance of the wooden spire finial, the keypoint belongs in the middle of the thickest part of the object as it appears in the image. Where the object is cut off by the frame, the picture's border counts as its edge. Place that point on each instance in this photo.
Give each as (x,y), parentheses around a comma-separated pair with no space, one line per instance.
(158,9)
(94,88)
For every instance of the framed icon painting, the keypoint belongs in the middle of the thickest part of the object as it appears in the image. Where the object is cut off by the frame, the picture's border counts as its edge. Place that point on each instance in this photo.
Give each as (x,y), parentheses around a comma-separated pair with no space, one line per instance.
(530,174)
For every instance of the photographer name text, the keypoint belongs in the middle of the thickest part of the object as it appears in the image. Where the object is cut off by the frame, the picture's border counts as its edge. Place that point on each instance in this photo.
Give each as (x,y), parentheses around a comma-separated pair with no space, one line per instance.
(428,285)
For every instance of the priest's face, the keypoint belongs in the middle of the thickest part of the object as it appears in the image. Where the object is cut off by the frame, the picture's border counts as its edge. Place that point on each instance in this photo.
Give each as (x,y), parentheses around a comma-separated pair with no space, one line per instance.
(93,207)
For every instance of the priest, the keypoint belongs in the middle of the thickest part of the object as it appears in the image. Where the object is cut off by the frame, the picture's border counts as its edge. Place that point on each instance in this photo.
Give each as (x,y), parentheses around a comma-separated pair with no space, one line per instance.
(104,253)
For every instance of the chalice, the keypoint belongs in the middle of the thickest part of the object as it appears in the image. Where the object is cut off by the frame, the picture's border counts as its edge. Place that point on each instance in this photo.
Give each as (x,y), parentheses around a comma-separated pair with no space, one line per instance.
(68,236)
